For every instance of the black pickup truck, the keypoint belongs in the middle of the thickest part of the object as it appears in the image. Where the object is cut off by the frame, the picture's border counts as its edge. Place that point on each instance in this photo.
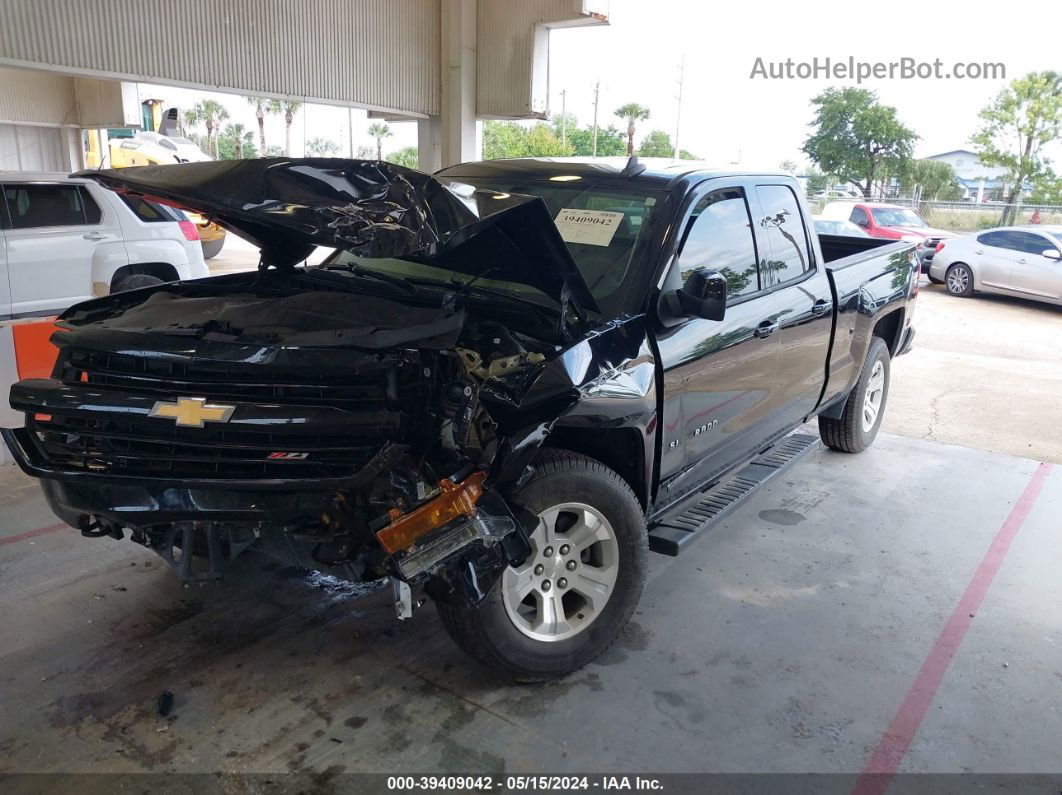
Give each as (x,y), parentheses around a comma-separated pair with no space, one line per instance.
(509,382)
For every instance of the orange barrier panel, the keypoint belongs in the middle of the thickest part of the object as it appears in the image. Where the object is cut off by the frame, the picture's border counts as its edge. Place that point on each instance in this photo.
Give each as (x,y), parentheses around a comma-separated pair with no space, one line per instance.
(34,353)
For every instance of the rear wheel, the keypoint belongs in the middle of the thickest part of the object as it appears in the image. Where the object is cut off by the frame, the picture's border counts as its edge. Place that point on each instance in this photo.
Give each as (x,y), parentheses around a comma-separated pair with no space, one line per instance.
(959,280)
(857,427)
(569,600)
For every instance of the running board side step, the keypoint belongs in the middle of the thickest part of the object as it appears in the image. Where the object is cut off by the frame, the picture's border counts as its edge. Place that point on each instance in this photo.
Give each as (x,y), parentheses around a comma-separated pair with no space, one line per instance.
(675,531)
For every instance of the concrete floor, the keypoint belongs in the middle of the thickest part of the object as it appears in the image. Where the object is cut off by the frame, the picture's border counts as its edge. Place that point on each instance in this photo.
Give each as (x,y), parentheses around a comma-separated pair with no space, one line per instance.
(784,641)
(985,372)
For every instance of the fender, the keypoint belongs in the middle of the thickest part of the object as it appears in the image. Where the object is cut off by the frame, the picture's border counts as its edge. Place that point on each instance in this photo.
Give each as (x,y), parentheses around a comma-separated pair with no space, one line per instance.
(604,383)
(106,259)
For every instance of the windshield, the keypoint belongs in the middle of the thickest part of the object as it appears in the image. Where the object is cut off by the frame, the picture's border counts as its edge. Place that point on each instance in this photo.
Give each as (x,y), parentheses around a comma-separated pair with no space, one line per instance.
(603,256)
(897,216)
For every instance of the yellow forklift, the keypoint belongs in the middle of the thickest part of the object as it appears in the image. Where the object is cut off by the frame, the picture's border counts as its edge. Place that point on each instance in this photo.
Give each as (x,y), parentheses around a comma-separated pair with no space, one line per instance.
(158,143)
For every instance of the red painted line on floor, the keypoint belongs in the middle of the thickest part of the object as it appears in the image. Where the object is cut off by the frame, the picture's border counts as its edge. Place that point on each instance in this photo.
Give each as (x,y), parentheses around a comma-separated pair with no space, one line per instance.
(893,746)
(33,533)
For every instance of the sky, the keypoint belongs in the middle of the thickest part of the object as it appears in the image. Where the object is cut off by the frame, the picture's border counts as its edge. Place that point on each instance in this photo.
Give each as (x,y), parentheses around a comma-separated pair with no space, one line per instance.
(727,116)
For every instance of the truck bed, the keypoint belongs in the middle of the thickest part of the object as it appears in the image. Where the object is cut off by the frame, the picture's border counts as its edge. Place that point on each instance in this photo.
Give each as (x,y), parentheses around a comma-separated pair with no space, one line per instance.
(842,251)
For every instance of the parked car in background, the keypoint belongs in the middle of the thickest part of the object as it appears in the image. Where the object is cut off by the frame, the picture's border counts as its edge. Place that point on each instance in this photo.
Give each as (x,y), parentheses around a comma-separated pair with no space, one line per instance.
(891,222)
(824,227)
(1012,260)
(64,240)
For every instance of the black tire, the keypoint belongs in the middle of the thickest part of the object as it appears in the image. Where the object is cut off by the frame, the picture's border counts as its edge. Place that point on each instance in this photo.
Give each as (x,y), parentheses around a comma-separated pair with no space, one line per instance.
(135,282)
(958,270)
(846,433)
(489,635)
(211,248)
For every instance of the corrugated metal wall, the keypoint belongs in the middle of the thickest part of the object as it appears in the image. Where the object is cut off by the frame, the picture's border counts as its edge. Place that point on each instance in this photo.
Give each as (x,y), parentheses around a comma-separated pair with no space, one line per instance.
(36,97)
(381,54)
(504,62)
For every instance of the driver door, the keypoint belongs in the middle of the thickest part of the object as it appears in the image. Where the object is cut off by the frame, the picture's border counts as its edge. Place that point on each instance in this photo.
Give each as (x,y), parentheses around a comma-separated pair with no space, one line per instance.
(719,375)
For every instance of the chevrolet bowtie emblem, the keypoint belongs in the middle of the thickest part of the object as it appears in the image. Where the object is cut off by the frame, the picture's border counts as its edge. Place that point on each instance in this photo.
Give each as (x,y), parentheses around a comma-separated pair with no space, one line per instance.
(192,412)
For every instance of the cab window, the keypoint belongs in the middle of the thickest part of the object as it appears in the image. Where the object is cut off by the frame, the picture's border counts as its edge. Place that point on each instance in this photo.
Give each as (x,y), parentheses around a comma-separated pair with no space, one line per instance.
(782,225)
(30,206)
(719,236)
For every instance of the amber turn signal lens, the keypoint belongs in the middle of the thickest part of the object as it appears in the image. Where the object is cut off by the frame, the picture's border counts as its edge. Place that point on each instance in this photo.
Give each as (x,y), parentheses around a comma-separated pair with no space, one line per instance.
(456,499)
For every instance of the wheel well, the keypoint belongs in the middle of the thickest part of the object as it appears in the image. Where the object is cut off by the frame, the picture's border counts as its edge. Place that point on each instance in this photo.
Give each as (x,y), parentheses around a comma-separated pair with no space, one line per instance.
(160,270)
(620,449)
(888,328)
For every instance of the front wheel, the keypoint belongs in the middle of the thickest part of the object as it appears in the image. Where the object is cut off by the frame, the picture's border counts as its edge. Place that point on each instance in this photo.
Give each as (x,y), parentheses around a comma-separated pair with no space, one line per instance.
(855,430)
(569,600)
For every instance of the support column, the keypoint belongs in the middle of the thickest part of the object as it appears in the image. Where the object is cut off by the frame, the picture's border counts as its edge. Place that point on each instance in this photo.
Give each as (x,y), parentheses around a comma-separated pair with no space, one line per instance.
(429,144)
(458,54)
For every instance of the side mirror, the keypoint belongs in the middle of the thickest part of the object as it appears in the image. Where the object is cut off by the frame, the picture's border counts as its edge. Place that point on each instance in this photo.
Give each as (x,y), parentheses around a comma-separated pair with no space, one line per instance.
(1052,253)
(703,295)
(863,223)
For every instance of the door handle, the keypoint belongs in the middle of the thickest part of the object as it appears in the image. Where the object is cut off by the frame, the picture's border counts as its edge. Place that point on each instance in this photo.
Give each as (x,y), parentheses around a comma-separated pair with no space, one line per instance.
(766,329)
(95,236)
(979,251)
(1022,260)
(821,307)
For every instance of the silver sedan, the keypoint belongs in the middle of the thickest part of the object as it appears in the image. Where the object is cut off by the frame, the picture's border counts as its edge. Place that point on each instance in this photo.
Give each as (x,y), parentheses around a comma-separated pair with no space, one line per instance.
(1024,261)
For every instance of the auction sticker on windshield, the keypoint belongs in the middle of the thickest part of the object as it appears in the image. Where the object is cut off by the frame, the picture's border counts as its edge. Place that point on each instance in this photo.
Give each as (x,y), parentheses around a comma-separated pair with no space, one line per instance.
(592,227)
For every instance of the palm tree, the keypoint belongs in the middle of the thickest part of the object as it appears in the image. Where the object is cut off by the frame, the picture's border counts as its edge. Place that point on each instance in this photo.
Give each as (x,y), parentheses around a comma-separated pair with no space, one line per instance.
(290,108)
(632,112)
(189,121)
(240,136)
(379,131)
(321,147)
(262,106)
(212,113)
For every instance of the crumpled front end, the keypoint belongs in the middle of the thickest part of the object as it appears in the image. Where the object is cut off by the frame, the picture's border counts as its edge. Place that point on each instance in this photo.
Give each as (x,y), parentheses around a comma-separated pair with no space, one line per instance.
(364,462)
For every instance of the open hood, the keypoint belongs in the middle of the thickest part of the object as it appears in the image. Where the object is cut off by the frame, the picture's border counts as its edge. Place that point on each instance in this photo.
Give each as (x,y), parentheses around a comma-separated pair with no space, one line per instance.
(286,206)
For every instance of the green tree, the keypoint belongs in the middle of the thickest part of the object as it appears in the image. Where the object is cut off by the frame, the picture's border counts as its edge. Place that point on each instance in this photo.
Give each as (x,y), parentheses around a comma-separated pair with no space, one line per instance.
(235,142)
(816,180)
(685,154)
(631,113)
(407,156)
(563,125)
(857,138)
(937,180)
(290,108)
(1047,189)
(321,147)
(1024,116)
(212,113)
(263,106)
(512,139)
(610,141)
(379,131)
(656,144)
(273,150)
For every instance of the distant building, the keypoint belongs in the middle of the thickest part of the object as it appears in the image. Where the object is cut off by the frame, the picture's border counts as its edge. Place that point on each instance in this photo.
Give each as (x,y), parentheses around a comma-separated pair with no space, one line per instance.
(980,183)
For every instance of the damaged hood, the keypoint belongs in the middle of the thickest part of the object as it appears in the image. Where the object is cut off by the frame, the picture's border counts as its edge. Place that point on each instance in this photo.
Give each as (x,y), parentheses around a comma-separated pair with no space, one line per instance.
(286,206)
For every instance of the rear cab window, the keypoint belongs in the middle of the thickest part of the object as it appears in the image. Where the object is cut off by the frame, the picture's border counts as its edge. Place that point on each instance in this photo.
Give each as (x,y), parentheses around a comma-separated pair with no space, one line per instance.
(782,226)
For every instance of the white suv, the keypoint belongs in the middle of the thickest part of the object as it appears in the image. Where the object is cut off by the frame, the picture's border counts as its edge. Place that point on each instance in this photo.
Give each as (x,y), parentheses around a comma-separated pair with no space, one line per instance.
(65,240)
